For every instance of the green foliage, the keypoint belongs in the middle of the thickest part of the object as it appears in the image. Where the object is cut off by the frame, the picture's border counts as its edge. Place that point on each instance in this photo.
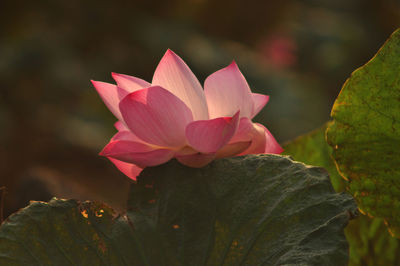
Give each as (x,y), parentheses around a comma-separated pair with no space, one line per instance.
(251,210)
(365,134)
(369,241)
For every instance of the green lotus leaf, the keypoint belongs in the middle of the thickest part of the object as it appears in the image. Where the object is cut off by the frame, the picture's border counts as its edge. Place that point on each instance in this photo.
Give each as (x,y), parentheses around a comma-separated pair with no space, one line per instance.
(365,134)
(253,210)
(66,232)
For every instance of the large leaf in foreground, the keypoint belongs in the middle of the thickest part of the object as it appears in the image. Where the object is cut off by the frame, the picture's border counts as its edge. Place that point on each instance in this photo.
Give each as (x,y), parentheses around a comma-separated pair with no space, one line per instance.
(365,134)
(253,210)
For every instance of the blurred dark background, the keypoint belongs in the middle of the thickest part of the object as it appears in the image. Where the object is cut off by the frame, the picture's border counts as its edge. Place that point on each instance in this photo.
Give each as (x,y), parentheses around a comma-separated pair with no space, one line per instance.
(53,124)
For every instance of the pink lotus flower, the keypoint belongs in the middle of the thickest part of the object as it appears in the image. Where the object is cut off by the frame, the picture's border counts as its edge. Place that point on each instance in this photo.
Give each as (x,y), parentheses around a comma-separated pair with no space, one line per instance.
(173,117)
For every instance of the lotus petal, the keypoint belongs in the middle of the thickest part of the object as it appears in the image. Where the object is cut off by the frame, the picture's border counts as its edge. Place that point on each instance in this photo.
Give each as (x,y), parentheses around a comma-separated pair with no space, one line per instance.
(128,84)
(260,101)
(208,136)
(136,153)
(130,170)
(156,116)
(109,93)
(174,75)
(227,92)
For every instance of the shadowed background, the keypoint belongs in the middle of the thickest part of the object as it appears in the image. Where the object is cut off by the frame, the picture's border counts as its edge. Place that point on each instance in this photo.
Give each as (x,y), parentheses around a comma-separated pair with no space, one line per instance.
(53,123)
